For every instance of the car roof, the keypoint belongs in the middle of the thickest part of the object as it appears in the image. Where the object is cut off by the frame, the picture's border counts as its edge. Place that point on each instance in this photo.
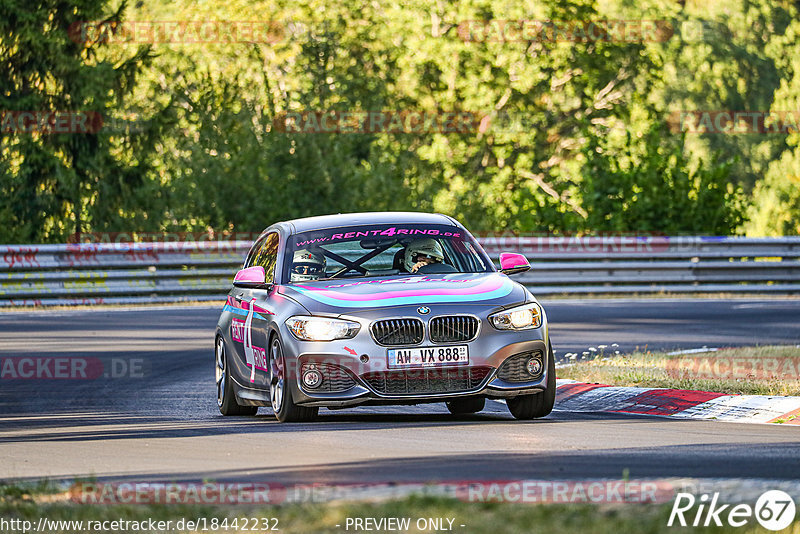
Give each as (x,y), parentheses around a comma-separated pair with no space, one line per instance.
(360,219)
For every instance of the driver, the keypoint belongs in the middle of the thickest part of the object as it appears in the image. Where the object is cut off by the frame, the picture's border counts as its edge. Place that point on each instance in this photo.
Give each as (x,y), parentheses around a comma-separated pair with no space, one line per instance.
(422,252)
(307,265)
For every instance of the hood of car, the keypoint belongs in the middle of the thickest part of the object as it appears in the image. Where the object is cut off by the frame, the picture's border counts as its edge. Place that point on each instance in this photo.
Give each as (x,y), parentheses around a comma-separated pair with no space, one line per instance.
(348,294)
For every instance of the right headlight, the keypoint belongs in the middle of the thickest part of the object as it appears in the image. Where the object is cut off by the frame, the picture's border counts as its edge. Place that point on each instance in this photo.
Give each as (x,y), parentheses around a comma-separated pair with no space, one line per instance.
(309,328)
(519,318)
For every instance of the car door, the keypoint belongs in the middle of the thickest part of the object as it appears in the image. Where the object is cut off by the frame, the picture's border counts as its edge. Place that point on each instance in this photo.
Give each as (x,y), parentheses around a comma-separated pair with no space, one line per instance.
(249,327)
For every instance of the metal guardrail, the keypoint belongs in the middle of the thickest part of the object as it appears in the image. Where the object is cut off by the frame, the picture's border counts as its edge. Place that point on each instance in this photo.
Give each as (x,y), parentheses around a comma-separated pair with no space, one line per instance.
(121,273)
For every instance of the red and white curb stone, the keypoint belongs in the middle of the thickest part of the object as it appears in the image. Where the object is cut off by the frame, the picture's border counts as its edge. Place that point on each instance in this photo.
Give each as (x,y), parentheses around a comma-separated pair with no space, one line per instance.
(573,396)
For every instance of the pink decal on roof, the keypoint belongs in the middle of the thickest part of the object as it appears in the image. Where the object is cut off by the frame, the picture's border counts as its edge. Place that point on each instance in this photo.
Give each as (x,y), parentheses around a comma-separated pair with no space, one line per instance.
(483,287)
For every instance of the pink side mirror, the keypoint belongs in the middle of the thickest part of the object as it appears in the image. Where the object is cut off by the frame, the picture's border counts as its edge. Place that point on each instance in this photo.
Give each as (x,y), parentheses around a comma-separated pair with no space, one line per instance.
(512,263)
(250,277)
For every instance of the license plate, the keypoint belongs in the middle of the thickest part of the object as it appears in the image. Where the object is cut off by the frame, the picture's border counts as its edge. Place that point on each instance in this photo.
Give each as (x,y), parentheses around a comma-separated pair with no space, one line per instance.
(428,356)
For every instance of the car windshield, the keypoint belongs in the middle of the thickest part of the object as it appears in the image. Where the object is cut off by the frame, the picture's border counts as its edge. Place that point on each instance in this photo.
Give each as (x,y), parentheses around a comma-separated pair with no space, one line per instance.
(382,250)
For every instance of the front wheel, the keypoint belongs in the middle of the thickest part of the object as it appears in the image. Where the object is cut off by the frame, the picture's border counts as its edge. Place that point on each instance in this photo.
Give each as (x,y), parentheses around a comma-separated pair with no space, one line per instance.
(539,404)
(226,398)
(280,394)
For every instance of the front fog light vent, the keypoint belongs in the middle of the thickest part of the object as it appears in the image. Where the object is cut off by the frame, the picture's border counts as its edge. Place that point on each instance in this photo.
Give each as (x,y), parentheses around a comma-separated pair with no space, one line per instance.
(524,367)
(325,378)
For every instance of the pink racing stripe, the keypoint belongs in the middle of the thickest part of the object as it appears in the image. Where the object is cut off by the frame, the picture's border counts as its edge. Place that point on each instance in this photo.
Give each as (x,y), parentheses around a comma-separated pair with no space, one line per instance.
(483,287)
(244,305)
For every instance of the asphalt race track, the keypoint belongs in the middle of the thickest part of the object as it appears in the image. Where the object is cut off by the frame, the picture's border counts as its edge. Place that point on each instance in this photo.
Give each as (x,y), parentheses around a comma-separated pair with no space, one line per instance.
(151,414)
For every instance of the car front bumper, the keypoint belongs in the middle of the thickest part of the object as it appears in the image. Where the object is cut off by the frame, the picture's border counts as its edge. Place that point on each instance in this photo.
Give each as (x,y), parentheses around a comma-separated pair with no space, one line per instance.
(361,357)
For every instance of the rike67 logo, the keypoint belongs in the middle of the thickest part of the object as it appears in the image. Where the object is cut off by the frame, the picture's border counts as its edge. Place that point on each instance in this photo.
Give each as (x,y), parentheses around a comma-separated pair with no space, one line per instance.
(774,510)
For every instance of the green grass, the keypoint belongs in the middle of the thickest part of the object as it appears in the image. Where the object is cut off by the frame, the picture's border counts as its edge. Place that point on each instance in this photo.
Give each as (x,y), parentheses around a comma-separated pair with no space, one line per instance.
(494,518)
(658,369)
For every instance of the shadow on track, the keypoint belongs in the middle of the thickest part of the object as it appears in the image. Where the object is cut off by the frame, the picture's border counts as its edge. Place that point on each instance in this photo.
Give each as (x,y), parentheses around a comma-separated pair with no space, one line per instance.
(696,461)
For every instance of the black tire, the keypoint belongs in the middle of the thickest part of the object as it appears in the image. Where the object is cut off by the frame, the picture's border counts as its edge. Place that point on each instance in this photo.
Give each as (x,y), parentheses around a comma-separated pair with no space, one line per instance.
(280,393)
(226,398)
(539,404)
(466,405)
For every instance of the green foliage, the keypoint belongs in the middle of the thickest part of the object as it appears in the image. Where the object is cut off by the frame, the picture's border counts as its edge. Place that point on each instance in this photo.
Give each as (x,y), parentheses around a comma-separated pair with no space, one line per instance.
(237,170)
(728,56)
(51,182)
(648,185)
(776,206)
(573,136)
(521,173)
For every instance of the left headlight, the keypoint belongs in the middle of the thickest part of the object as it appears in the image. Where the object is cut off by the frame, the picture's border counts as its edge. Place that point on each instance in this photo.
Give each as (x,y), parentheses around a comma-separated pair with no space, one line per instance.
(519,318)
(321,328)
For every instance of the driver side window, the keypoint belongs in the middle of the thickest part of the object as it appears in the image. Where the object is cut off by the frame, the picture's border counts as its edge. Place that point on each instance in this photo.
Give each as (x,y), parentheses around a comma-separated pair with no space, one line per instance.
(266,255)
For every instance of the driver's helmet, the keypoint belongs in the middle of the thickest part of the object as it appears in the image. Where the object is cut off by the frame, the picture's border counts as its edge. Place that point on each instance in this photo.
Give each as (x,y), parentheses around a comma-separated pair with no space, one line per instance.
(422,247)
(307,265)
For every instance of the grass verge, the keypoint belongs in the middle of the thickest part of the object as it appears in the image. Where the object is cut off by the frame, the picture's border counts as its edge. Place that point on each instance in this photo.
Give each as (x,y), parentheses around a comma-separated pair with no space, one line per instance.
(768,370)
(497,518)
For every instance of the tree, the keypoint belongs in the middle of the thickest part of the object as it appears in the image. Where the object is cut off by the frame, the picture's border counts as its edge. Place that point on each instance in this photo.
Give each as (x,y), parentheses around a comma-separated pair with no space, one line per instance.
(776,199)
(649,185)
(565,131)
(50,180)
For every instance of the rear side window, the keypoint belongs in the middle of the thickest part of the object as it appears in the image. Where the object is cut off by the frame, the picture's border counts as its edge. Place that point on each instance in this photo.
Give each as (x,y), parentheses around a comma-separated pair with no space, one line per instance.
(266,255)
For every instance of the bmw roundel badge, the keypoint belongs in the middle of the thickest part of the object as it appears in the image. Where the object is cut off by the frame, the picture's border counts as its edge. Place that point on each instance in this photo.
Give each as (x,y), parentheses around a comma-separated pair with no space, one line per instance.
(424,310)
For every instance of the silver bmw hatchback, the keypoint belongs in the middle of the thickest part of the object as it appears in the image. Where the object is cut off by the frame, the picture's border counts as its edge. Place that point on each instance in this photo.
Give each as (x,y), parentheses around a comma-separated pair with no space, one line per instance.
(380,308)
